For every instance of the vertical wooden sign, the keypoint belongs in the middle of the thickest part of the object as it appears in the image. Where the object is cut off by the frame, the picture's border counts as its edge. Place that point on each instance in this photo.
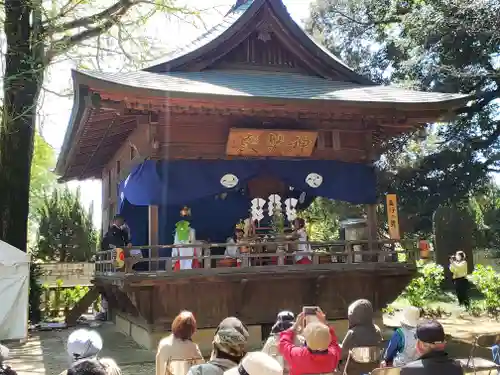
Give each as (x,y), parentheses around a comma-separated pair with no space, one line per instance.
(392,216)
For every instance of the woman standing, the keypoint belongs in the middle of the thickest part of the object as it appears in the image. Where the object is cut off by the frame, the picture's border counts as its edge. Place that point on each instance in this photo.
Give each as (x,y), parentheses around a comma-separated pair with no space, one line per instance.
(458,268)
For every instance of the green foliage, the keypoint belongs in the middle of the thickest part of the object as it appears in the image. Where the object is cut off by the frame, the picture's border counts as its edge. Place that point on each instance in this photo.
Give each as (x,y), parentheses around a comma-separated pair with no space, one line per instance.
(42,177)
(87,31)
(59,300)
(42,181)
(487,281)
(426,287)
(66,232)
(278,222)
(453,230)
(323,217)
(35,293)
(433,46)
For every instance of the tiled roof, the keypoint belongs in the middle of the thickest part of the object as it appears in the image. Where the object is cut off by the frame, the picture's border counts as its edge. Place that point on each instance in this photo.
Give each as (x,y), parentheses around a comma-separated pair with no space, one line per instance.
(269,85)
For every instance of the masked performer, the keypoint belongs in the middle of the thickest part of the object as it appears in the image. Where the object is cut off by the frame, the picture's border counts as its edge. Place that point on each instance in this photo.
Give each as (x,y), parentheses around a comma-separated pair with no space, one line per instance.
(184,234)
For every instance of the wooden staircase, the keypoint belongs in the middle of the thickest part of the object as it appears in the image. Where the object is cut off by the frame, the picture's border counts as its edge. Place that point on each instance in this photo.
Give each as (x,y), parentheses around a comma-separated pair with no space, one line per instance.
(81,306)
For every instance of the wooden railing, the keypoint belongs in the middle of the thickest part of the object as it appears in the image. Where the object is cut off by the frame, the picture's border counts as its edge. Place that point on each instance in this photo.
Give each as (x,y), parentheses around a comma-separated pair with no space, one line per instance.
(335,252)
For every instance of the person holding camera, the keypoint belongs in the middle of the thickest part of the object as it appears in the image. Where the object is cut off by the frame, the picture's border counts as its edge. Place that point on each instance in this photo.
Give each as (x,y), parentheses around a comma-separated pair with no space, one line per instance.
(321,352)
(459,271)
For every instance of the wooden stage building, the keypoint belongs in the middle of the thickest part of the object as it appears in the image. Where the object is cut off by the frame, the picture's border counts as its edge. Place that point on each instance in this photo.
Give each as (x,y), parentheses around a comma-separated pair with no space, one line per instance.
(253,107)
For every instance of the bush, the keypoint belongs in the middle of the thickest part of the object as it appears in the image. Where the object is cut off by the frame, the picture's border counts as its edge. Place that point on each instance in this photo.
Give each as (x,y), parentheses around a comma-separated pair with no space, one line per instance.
(487,281)
(426,287)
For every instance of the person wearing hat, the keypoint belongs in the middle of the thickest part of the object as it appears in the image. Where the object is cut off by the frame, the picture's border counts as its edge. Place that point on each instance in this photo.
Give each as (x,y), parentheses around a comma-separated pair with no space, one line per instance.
(459,271)
(321,353)
(84,346)
(228,348)
(402,346)
(256,363)
(284,321)
(433,360)
(184,235)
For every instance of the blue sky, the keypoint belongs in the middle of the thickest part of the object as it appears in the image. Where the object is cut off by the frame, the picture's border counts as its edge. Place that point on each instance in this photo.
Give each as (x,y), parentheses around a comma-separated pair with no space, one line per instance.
(55,110)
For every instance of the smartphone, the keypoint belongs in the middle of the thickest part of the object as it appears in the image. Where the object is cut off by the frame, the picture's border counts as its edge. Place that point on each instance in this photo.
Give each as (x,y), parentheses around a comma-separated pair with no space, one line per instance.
(310,314)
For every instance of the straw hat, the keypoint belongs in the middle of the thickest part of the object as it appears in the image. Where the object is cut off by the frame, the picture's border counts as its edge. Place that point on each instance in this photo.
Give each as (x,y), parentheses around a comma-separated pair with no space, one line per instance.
(317,336)
(411,315)
(257,363)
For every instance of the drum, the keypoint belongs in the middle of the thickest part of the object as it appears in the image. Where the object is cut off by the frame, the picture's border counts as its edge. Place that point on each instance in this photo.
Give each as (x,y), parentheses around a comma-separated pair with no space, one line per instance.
(227,262)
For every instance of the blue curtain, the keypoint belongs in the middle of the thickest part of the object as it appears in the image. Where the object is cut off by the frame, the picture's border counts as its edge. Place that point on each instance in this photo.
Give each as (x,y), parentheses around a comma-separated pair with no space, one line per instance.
(197,184)
(178,182)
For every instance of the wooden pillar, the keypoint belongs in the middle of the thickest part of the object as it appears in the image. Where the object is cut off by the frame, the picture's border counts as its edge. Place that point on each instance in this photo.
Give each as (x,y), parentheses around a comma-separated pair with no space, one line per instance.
(153,234)
(371,211)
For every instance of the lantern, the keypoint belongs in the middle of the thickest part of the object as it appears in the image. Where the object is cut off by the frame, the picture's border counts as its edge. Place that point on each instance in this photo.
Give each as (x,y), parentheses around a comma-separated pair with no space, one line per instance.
(424,247)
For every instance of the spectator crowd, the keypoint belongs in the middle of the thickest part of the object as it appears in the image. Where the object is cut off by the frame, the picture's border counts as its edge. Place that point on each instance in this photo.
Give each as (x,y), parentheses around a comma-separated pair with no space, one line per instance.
(297,345)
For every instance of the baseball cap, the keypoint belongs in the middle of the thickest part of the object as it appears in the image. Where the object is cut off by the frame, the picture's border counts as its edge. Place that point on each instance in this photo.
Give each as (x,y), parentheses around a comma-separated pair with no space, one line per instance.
(83,343)
(431,332)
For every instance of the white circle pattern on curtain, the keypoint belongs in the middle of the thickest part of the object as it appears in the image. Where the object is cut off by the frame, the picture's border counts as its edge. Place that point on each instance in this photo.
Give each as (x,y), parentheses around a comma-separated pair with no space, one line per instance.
(229,181)
(314,180)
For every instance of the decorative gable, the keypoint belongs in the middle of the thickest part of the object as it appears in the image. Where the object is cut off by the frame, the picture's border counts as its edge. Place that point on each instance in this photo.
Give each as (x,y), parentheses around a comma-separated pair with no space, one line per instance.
(259,35)
(262,50)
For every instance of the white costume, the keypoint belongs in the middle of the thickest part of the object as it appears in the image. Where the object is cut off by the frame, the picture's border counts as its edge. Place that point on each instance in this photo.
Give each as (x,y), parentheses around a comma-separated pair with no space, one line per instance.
(232,250)
(186,264)
(302,247)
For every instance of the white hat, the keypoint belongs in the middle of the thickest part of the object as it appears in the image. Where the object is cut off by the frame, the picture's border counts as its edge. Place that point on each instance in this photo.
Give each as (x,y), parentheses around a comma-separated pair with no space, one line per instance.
(257,363)
(411,315)
(4,353)
(83,343)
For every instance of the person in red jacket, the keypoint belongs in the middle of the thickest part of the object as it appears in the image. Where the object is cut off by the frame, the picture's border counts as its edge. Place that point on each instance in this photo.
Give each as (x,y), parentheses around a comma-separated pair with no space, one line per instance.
(320,355)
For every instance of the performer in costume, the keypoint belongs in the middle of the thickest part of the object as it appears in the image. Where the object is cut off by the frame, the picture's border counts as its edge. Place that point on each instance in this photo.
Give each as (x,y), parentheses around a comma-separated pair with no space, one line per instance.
(233,251)
(184,234)
(301,234)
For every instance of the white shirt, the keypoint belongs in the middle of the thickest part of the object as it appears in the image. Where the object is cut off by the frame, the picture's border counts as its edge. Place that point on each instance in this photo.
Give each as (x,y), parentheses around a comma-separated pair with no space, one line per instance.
(232,251)
(302,247)
(185,251)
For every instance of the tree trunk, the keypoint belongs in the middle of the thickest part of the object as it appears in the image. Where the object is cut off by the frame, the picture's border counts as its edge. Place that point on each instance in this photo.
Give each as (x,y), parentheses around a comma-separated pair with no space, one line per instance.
(22,80)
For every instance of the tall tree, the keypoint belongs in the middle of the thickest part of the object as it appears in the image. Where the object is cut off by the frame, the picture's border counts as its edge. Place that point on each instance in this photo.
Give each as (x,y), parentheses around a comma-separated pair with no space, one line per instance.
(37,33)
(432,45)
(65,232)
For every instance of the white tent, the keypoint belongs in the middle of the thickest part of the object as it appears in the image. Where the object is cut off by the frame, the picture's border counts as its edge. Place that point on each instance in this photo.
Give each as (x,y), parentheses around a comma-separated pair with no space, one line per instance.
(14,289)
